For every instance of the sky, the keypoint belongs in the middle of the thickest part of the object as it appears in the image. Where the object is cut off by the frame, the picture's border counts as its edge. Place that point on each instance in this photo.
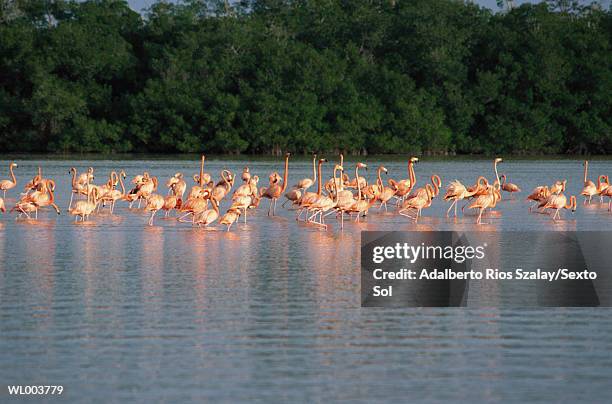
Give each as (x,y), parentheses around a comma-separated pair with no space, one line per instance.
(140,4)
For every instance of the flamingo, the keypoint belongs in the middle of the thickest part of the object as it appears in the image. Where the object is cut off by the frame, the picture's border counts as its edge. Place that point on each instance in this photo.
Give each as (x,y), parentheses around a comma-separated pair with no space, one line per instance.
(230,217)
(325,203)
(309,197)
(386,193)
(329,185)
(608,193)
(114,194)
(421,199)
(275,190)
(247,189)
(48,199)
(539,194)
(344,199)
(170,202)
(486,201)
(436,183)
(403,187)
(558,187)
(86,177)
(373,191)
(245,196)
(155,202)
(223,187)
(603,184)
(5,185)
(143,186)
(202,178)
(78,188)
(242,202)
(246,175)
(508,186)
(85,208)
(208,216)
(293,196)
(557,202)
(361,206)
(40,198)
(34,183)
(483,189)
(456,192)
(589,187)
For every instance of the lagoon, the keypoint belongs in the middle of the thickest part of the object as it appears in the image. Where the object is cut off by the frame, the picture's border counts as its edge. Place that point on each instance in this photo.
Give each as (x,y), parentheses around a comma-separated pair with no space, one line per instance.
(113,309)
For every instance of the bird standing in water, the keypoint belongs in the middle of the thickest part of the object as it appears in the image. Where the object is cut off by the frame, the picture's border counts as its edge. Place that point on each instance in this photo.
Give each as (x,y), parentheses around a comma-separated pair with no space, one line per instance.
(5,185)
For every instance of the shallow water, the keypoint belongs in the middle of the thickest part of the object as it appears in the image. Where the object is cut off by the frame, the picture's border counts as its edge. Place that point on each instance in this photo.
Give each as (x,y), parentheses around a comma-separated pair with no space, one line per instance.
(115,309)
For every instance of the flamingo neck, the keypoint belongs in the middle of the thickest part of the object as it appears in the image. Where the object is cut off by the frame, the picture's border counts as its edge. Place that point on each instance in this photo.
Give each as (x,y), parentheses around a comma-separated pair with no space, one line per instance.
(358,184)
(435,183)
(74,175)
(314,168)
(285,174)
(495,167)
(201,179)
(601,180)
(319,179)
(12,174)
(586,170)
(335,197)
(51,196)
(411,174)
(122,186)
(430,191)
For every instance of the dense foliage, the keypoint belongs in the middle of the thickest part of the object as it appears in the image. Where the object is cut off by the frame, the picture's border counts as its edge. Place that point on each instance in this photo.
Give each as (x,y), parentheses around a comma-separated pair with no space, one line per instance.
(264,76)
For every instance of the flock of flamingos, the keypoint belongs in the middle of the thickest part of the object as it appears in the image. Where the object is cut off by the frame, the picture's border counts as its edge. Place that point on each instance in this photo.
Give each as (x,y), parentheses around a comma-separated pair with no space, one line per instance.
(343,195)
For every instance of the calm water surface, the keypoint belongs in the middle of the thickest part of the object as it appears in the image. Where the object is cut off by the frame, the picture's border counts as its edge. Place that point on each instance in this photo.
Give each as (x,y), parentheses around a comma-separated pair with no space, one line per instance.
(115,310)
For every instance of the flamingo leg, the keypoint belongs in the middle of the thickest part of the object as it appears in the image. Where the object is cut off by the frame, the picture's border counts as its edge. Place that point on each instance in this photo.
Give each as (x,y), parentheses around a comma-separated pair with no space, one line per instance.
(181,218)
(151,219)
(479,220)
(405,212)
(451,206)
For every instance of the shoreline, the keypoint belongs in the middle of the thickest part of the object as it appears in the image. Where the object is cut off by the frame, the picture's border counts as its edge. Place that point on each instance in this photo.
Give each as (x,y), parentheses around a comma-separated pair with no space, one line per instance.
(294,157)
